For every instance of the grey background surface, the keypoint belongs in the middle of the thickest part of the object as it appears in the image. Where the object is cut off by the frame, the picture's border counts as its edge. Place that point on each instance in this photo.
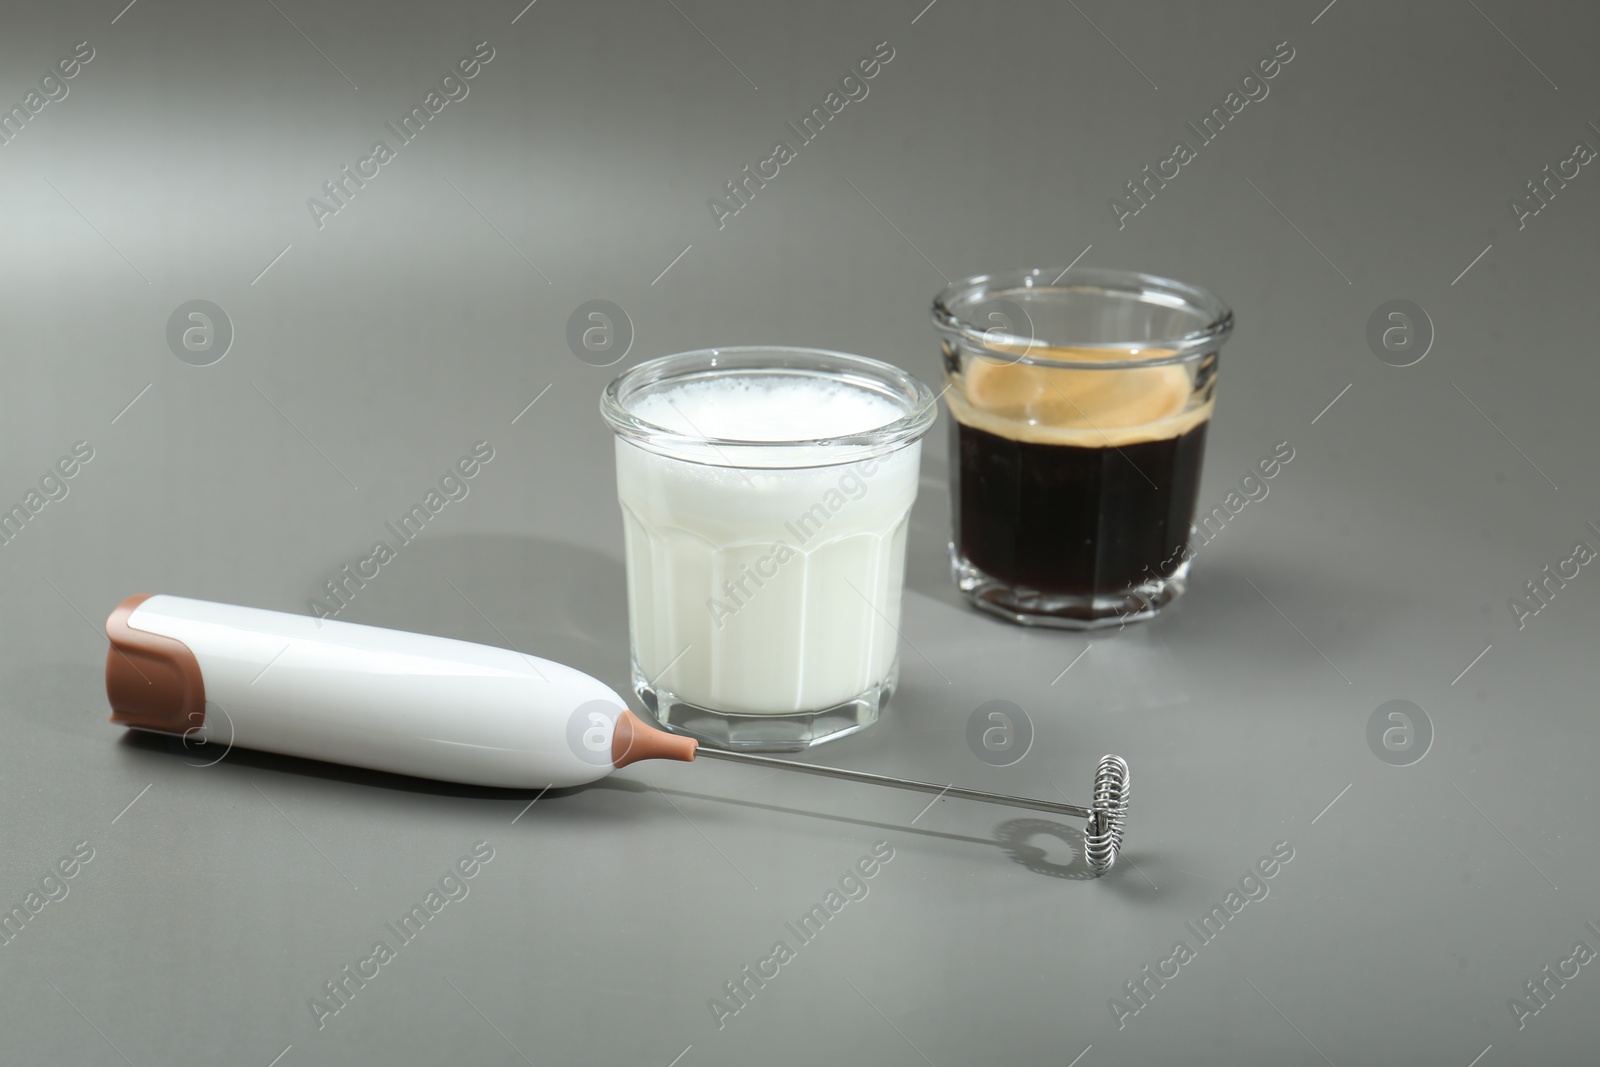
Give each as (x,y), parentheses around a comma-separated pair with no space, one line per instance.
(431,309)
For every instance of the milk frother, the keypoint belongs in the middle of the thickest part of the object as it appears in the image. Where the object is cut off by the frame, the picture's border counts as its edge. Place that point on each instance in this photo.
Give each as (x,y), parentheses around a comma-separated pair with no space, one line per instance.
(433,707)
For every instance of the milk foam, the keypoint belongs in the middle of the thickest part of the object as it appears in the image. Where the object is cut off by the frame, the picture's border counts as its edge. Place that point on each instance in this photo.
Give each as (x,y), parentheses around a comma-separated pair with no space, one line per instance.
(770,407)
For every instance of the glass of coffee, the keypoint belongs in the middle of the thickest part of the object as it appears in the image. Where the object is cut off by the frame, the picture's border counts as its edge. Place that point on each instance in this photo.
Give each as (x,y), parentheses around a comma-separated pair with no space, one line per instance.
(1080,401)
(765,495)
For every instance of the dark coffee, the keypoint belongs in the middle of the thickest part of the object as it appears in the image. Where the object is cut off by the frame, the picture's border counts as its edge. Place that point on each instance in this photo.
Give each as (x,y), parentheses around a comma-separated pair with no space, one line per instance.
(1079,400)
(1073,519)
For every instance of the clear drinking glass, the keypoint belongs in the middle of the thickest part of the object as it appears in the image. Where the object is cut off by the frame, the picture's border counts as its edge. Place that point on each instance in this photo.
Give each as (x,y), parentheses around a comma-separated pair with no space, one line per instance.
(1080,403)
(765,497)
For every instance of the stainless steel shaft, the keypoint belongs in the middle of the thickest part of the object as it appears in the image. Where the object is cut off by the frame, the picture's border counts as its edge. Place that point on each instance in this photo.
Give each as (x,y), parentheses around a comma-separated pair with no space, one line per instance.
(750,759)
(1102,838)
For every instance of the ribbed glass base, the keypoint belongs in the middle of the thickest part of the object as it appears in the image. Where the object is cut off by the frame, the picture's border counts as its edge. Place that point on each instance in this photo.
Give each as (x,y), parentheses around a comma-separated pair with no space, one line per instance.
(766,732)
(1066,611)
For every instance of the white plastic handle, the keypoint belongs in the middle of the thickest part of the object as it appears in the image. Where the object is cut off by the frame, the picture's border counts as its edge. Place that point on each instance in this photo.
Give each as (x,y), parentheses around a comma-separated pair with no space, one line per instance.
(383,699)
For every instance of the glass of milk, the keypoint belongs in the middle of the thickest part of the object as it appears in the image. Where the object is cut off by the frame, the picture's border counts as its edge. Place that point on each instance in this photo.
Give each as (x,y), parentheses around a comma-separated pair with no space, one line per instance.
(765,497)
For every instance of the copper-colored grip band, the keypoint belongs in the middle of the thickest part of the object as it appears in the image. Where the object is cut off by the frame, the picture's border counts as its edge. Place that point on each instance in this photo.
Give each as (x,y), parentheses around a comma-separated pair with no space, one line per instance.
(153,682)
(632,741)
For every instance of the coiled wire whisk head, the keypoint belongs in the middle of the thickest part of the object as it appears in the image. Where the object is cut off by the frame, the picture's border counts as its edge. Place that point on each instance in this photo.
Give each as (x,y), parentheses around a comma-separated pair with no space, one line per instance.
(1102,840)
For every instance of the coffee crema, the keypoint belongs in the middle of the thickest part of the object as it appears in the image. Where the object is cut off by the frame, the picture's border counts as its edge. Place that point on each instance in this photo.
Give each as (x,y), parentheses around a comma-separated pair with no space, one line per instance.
(1091,408)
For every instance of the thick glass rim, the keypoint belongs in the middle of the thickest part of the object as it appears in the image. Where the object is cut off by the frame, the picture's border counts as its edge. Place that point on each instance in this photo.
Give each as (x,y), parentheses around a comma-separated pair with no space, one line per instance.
(917,401)
(1147,288)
